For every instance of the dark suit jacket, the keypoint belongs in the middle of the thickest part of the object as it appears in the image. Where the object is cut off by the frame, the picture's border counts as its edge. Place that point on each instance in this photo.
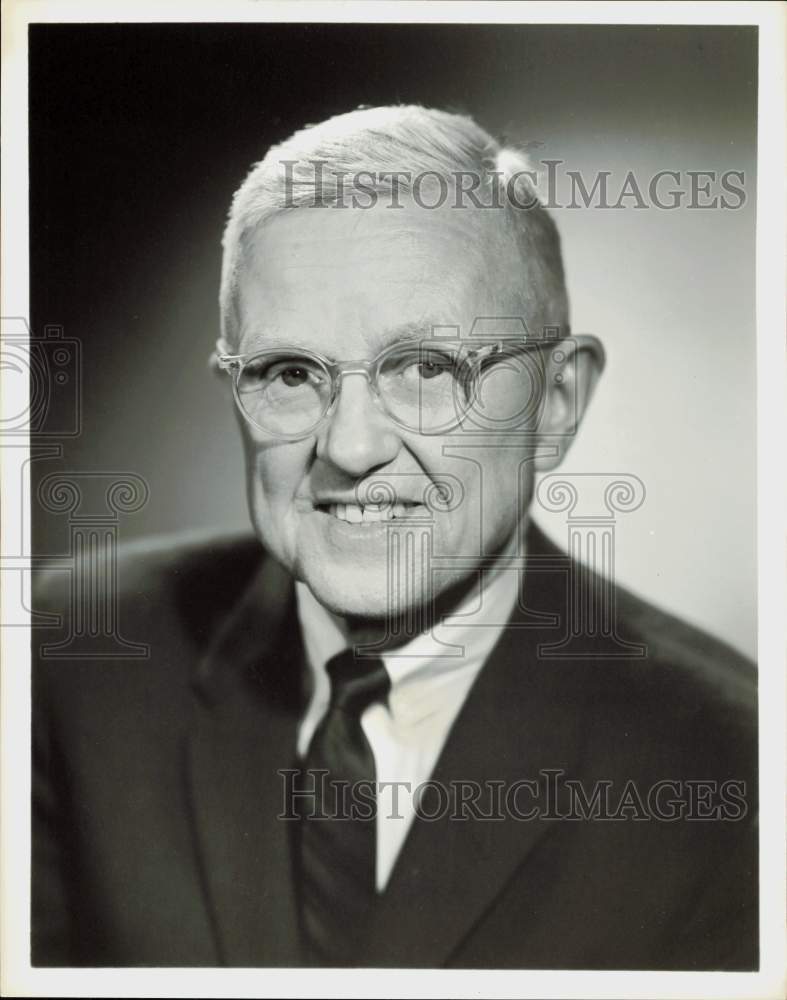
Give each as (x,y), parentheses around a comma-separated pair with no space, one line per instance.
(156,793)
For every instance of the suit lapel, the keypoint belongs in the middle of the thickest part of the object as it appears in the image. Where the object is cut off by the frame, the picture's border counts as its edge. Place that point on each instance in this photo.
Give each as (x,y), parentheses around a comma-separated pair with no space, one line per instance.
(244,731)
(515,723)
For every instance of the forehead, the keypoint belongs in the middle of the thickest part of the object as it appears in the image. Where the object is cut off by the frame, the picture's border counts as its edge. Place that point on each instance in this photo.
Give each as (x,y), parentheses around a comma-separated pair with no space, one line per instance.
(348,281)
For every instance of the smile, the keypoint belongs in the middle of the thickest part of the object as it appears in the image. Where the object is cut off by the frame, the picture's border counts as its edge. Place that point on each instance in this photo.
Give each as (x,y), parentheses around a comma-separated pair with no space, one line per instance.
(369,513)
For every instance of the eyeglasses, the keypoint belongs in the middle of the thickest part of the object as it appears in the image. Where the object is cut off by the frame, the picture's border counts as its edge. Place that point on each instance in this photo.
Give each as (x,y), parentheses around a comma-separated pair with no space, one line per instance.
(423,386)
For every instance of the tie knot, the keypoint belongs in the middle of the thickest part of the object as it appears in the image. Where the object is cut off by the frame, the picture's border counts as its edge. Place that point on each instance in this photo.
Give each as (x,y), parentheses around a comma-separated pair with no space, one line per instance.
(356,683)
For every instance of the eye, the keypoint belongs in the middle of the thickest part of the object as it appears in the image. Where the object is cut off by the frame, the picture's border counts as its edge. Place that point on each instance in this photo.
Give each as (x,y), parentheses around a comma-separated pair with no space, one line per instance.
(292,373)
(433,367)
(421,365)
(294,377)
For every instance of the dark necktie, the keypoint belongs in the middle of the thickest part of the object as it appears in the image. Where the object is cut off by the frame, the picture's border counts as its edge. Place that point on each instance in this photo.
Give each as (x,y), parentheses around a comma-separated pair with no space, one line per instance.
(338,842)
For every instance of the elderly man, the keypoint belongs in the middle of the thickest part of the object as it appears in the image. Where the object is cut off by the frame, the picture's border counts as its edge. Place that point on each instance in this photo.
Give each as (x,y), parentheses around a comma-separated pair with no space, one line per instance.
(359,739)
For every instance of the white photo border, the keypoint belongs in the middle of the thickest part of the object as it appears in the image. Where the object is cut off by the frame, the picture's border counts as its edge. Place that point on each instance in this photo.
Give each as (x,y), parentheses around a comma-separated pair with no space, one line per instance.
(18,978)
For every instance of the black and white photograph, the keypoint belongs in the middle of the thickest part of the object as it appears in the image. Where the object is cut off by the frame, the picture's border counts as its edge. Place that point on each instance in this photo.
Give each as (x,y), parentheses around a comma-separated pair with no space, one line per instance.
(393,500)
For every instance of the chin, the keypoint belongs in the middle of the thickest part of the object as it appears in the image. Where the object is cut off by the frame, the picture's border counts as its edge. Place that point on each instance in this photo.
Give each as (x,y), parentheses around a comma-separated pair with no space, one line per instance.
(355,593)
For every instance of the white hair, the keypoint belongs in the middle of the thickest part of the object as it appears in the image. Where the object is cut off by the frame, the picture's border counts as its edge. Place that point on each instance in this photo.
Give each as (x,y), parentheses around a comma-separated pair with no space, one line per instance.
(407,140)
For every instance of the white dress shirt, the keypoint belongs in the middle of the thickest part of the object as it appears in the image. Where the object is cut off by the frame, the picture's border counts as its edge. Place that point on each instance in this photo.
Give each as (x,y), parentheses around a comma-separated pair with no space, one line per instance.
(430,678)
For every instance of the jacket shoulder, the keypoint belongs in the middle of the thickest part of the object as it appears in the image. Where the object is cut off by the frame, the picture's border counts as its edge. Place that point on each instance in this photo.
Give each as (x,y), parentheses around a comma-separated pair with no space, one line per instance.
(666,657)
(690,654)
(140,614)
(677,700)
(163,568)
(686,706)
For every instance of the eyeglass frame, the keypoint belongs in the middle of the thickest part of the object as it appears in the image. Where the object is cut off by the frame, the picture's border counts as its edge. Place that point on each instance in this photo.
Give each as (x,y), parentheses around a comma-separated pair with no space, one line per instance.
(472,359)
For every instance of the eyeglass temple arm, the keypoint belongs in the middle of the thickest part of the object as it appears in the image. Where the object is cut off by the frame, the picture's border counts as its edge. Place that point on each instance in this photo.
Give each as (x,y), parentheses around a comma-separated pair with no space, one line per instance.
(220,358)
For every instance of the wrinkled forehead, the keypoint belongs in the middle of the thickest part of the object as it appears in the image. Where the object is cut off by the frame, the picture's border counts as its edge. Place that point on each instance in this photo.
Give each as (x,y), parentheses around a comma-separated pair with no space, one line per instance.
(352,277)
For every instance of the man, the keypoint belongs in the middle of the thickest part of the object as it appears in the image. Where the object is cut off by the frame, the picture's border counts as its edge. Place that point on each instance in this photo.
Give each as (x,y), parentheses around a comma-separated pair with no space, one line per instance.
(362,739)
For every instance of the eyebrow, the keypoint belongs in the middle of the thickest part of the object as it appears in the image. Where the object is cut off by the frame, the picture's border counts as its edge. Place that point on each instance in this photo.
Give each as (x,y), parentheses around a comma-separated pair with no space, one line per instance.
(419,330)
(262,339)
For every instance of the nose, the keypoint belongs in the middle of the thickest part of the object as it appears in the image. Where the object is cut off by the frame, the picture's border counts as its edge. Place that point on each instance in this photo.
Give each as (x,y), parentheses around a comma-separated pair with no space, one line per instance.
(358,436)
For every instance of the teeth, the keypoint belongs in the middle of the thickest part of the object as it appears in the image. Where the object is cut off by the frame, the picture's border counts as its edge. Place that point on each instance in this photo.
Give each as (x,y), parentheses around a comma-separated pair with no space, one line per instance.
(356,514)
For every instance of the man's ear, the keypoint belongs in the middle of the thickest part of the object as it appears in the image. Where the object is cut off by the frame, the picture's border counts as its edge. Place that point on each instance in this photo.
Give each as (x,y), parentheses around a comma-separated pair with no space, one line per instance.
(573,367)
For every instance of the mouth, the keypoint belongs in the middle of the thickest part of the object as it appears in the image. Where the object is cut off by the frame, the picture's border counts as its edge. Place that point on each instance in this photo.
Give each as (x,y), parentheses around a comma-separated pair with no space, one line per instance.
(354,513)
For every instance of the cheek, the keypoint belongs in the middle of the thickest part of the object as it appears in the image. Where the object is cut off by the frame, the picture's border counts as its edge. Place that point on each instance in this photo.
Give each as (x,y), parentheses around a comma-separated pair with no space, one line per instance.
(511,486)
(274,473)
(499,489)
